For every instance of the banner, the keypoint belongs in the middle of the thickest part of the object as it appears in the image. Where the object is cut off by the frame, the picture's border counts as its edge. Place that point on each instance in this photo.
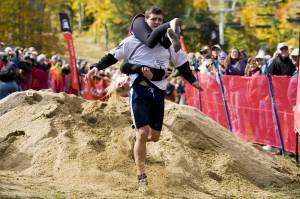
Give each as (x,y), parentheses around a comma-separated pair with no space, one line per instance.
(183,45)
(66,29)
(250,106)
(297,107)
(94,89)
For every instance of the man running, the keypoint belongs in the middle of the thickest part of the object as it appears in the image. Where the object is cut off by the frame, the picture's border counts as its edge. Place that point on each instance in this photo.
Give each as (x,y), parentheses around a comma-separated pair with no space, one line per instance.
(146,96)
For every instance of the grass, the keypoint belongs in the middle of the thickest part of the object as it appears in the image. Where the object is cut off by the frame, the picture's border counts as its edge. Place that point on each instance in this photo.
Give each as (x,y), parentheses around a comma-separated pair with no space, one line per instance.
(86,48)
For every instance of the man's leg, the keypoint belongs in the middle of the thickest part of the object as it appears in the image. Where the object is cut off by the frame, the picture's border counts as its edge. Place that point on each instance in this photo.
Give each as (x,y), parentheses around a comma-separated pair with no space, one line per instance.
(140,148)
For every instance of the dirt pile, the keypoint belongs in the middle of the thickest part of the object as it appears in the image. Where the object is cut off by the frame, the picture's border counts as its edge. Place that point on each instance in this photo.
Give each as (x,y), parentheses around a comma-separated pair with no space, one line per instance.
(56,145)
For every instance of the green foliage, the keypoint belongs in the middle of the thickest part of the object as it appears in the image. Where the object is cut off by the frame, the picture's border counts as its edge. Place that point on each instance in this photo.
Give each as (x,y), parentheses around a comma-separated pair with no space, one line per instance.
(264,24)
(31,23)
(35,22)
(197,28)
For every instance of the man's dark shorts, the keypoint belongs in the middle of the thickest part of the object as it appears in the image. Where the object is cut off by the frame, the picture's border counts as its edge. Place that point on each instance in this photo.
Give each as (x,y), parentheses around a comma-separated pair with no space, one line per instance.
(147,106)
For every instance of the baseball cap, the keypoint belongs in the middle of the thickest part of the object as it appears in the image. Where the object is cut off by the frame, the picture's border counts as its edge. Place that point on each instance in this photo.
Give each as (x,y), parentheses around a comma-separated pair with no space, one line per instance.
(222,55)
(260,55)
(216,46)
(295,52)
(281,45)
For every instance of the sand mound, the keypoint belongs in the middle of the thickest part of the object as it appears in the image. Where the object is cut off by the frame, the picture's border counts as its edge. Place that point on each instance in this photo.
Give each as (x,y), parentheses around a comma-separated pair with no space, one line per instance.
(56,145)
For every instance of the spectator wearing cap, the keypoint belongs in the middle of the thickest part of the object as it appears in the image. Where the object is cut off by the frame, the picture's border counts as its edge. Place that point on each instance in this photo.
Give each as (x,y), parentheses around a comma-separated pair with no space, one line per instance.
(294,56)
(282,64)
(205,52)
(215,51)
(252,67)
(259,61)
(235,65)
(205,60)
(222,62)
(292,88)
(291,48)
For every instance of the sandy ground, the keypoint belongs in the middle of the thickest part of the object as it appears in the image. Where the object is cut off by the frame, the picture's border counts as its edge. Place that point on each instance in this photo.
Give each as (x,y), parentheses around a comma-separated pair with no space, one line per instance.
(59,146)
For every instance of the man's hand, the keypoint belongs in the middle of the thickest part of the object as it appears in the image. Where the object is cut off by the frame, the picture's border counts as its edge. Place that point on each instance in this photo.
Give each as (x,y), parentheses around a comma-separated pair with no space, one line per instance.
(168,72)
(92,72)
(196,84)
(147,73)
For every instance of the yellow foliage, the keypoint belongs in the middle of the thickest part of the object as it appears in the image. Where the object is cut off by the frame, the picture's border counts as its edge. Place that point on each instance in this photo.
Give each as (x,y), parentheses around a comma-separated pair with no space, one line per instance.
(200,4)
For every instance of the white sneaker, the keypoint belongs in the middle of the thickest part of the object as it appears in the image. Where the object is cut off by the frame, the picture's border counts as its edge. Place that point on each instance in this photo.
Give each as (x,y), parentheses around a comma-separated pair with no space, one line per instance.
(175,26)
(143,184)
(174,39)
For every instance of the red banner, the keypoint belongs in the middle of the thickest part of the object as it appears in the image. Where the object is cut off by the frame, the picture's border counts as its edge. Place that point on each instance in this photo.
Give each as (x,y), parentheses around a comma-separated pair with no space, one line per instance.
(66,28)
(94,89)
(250,106)
(74,73)
(183,45)
(297,108)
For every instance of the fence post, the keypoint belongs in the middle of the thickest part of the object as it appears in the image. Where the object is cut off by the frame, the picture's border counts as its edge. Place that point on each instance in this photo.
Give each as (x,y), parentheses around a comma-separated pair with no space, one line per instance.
(216,64)
(274,108)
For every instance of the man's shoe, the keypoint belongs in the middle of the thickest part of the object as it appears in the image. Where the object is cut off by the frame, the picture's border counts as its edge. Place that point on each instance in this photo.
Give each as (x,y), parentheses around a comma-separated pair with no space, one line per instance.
(174,40)
(142,183)
(175,26)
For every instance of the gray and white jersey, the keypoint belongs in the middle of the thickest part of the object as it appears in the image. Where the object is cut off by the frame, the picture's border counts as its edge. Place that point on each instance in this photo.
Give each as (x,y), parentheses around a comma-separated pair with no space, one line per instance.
(157,57)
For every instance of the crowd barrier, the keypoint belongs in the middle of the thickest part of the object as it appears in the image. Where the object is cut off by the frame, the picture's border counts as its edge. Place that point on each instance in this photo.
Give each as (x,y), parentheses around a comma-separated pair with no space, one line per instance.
(250,106)
(248,100)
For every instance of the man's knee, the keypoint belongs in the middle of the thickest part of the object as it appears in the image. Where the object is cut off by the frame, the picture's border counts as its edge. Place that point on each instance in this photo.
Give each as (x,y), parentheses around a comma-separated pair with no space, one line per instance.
(142,134)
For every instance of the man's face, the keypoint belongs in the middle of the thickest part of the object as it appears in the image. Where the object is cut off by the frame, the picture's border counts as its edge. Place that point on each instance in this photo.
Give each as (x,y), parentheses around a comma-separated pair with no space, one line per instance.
(215,53)
(294,59)
(154,20)
(284,52)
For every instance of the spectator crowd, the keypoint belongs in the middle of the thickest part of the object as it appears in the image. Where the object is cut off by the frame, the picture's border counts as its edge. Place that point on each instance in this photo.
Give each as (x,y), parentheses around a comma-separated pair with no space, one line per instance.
(25,68)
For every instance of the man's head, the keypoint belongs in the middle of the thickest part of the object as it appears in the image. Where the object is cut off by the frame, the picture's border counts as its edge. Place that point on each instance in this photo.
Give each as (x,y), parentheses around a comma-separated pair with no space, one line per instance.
(294,55)
(154,17)
(215,51)
(283,50)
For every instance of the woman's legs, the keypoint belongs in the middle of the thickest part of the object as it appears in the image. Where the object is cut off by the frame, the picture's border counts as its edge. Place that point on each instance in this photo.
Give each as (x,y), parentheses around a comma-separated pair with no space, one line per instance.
(143,32)
(161,34)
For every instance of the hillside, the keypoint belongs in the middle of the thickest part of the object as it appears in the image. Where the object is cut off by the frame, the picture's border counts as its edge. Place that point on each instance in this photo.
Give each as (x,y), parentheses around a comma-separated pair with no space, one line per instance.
(60,146)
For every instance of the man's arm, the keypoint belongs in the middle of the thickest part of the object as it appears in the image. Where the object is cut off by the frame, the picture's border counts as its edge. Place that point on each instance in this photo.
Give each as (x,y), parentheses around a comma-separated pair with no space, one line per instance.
(186,72)
(105,62)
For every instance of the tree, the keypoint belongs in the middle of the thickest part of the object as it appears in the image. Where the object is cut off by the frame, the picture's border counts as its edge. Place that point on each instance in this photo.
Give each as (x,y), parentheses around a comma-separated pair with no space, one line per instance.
(31,23)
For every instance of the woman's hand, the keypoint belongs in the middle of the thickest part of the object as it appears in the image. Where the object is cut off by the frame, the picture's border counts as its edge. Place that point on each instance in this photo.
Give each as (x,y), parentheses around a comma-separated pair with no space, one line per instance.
(147,73)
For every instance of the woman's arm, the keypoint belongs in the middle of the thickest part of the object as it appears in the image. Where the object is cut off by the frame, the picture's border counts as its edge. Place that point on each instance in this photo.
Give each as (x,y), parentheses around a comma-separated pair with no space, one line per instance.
(127,68)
